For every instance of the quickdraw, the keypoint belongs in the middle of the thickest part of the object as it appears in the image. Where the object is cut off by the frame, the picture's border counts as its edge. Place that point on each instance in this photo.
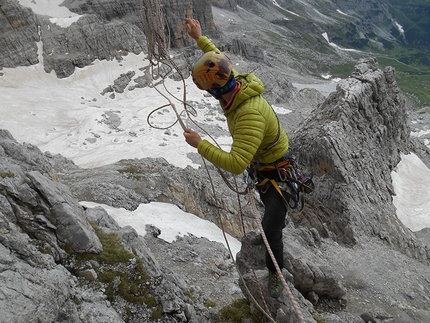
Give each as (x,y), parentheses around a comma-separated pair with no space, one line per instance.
(292,182)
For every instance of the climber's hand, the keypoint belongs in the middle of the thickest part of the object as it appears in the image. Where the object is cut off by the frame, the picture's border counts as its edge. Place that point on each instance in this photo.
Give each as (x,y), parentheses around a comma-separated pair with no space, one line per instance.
(192,26)
(192,137)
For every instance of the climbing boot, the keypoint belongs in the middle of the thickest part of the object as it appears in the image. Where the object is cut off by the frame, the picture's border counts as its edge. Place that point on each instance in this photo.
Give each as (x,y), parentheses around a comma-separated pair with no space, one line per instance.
(274,285)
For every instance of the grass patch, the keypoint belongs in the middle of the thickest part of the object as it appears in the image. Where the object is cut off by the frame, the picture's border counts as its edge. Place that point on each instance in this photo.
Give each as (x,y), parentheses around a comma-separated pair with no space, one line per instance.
(210,304)
(343,71)
(156,313)
(137,172)
(190,294)
(6,174)
(132,171)
(239,311)
(120,272)
(318,319)
(128,284)
(45,249)
(113,250)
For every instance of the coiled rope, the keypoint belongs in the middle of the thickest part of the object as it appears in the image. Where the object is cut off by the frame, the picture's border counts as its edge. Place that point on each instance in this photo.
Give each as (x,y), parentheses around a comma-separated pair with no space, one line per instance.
(161,66)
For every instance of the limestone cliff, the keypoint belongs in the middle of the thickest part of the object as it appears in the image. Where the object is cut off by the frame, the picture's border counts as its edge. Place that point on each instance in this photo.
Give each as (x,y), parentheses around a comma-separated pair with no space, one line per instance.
(19,34)
(49,269)
(106,30)
(362,127)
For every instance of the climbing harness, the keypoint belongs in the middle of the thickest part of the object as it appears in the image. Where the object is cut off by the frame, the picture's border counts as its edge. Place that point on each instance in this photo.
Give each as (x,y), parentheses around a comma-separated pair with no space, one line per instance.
(291,181)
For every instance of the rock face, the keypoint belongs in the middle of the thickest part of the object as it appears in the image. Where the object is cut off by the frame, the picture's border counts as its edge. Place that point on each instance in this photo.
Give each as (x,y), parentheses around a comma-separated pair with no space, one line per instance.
(51,204)
(19,28)
(351,143)
(38,219)
(225,4)
(128,183)
(241,48)
(106,30)
(45,237)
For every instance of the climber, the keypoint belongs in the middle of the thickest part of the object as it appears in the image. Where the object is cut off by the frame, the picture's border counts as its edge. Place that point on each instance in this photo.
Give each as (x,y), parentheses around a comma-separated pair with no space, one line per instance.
(259,141)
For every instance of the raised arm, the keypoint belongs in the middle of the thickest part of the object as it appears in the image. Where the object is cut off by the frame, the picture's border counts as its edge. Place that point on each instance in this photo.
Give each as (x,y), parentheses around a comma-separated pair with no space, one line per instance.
(192,26)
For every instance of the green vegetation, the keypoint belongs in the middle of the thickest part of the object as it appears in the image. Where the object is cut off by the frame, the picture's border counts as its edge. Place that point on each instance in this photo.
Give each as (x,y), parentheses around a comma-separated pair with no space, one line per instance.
(113,250)
(121,273)
(412,73)
(137,172)
(191,295)
(6,174)
(45,249)
(156,313)
(343,71)
(132,171)
(318,319)
(210,304)
(129,285)
(239,311)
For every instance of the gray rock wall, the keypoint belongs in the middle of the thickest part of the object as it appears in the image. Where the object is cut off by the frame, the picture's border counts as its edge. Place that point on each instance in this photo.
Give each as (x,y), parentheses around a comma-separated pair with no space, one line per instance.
(40,206)
(107,30)
(43,230)
(19,34)
(351,143)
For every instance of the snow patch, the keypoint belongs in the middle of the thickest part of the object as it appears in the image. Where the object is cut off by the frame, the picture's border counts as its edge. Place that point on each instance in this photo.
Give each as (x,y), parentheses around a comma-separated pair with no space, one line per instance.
(325,35)
(342,13)
(60,15)
(171,220)
(64,22)
(412,196)
(399,27)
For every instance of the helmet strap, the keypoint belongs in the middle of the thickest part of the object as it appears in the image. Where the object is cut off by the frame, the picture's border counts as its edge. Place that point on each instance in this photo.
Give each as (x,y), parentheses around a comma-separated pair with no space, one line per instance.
(228,87)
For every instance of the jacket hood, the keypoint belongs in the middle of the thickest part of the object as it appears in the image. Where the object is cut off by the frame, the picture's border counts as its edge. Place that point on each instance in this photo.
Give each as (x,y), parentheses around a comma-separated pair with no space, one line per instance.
(251,86)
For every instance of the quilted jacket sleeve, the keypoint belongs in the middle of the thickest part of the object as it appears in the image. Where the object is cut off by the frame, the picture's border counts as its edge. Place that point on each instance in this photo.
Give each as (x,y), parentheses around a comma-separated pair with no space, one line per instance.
(249,129)
(206,45)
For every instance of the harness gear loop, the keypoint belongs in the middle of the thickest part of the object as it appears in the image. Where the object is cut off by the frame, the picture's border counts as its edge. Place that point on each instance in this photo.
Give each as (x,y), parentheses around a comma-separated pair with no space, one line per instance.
(290,181)
(265,185)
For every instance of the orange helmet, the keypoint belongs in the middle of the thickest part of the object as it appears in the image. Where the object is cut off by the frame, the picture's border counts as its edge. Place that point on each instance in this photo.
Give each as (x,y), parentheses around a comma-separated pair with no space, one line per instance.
(212,70)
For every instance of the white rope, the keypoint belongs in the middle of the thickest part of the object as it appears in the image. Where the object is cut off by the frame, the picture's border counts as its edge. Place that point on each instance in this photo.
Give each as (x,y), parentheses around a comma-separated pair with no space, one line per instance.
(272,256)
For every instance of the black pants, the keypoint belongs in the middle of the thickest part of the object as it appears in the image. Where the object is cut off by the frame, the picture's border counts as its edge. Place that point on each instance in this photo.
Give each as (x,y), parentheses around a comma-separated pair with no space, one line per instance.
(273,222)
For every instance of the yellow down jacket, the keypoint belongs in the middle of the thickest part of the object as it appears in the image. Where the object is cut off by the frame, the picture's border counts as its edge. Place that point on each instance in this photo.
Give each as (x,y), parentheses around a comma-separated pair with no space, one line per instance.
(252,123)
